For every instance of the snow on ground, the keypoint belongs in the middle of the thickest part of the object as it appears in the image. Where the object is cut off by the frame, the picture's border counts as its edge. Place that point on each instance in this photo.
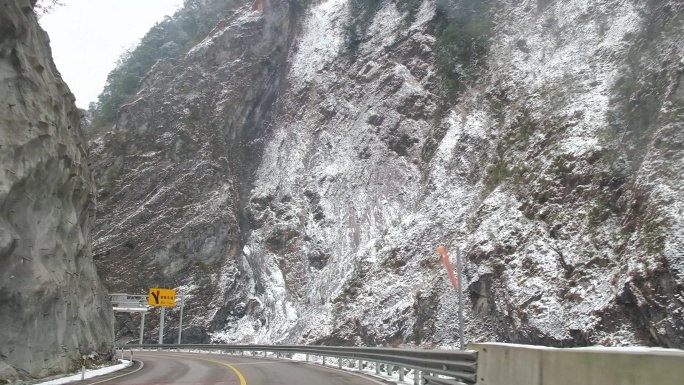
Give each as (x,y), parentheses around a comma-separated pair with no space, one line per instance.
(89,374)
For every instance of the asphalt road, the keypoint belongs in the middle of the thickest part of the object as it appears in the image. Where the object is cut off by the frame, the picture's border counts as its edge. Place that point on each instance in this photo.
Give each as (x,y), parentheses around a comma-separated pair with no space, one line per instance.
(211,369)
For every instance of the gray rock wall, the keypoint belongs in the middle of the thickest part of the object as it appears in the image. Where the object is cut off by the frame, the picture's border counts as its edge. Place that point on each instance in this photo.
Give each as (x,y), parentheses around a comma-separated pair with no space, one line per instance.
(174,173)
(53,307)
(555,170)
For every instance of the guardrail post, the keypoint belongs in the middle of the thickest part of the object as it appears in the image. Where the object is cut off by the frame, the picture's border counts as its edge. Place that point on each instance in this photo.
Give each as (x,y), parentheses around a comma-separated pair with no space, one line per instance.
(323,360)
(83,368)
(360,365)
(339,362)
(416,377)
(307,358)
(401,373)
(377,368)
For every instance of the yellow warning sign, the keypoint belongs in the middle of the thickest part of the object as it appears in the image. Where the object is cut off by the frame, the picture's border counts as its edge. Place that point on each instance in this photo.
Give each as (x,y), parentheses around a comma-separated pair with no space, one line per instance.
(162,297)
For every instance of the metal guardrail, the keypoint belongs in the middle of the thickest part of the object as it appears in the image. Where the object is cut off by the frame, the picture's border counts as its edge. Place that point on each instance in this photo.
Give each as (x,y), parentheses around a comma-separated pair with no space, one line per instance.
(441,367)
(128,303)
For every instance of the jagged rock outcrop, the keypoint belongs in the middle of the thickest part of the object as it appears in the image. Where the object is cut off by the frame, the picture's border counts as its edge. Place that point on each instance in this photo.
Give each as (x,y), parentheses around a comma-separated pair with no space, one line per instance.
(53,307)
(553,164)
(175,173)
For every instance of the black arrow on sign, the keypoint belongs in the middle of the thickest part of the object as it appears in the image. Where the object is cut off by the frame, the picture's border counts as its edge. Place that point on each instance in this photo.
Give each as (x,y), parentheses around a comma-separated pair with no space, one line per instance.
(156,297)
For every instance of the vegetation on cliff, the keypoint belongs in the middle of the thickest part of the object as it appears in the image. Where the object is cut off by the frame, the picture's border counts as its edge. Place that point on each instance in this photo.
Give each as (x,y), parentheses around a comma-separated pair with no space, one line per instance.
(166,40)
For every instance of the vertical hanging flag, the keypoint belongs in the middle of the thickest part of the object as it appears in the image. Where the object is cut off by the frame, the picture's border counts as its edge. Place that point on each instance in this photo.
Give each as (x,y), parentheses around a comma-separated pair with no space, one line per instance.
(445,259)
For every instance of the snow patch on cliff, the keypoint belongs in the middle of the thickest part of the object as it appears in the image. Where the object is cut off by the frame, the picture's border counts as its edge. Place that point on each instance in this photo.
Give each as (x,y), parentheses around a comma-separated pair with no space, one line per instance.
(321,41)
(564,63)
(384,30)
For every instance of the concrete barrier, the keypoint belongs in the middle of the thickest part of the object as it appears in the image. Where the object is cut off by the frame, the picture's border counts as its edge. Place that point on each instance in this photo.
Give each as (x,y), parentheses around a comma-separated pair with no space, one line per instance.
(508,364)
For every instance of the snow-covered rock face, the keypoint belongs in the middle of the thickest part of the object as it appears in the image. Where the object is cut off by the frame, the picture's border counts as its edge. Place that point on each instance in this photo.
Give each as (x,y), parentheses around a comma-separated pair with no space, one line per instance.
(53,306)
(556,171)
(174,175)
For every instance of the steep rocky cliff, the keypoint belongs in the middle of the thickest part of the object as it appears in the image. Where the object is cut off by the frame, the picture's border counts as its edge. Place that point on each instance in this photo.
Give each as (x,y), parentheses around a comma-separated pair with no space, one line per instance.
(174,175)
(53,307)
(295,171)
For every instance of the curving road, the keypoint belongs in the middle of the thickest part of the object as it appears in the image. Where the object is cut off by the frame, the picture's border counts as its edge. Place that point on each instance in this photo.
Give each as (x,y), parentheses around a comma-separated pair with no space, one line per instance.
(211,369)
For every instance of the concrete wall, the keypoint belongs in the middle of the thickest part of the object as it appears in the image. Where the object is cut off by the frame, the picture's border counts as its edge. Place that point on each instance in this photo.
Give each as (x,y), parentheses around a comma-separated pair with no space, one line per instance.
(507,364)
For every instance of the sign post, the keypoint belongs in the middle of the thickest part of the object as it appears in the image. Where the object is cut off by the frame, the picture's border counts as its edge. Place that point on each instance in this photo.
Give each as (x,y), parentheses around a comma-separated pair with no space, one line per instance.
(456,283)
(162,315)
(459,269)
(163,298)
(142,326)
(122,302)
(180,327)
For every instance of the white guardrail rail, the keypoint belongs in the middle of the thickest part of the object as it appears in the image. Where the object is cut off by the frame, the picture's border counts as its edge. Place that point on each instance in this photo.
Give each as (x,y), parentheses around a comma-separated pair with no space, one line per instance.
(439,367)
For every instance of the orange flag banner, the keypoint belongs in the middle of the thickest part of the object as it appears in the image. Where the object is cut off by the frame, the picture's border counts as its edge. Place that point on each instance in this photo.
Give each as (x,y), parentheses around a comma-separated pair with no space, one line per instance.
(445,259)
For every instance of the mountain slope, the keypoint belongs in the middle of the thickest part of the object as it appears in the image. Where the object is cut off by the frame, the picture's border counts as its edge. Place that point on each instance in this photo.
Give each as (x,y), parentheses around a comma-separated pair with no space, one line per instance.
(171,175)
(541,137)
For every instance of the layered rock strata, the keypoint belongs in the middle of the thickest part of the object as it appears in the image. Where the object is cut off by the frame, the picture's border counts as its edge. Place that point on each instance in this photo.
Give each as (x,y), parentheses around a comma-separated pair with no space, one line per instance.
(297,188)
